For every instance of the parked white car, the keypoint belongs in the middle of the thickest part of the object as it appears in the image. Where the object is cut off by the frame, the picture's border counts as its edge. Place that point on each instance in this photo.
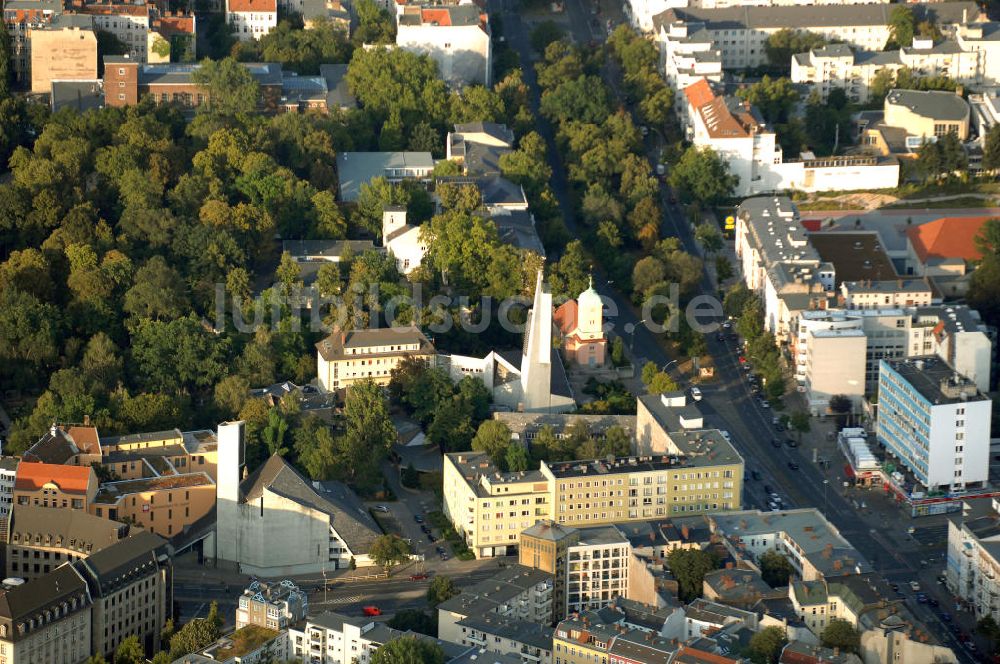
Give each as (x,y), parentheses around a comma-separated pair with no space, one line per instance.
(696,394)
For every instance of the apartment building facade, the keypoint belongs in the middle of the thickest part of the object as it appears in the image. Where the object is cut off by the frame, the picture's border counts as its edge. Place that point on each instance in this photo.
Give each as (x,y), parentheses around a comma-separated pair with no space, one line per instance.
(516,594)
(490,508)
(39,539)
(164,505)
(688,55)
(47,620)
(699,472)
(130,584)
(251,19)
(935,422)
(837,66)
(62,52)
(597,569)
(8,476)
(890,293)
(457,37)
(273,605)
(55,486)
(334,638)
(973,568)
(591,493)
(344,358)
(149,34)
(969,58)
(741,32)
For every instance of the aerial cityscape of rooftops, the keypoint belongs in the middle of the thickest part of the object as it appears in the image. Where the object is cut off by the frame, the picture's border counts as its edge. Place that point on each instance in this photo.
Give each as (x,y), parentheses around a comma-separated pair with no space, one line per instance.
(499,332)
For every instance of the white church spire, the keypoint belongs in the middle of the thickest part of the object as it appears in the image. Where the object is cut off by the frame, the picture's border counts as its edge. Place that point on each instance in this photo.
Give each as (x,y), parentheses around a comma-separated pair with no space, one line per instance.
(536,360)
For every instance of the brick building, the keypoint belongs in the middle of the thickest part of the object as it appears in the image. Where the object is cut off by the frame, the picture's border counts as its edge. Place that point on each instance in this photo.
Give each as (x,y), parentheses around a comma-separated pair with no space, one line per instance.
(127,81)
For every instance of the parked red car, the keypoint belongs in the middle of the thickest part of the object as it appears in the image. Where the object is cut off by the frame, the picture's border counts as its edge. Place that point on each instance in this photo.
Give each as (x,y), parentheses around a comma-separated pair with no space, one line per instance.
(418,577)
(371,611)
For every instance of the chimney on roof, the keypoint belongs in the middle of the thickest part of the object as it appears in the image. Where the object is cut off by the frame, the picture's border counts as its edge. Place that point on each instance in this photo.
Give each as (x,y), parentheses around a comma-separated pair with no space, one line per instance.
(685,533)
(86,420)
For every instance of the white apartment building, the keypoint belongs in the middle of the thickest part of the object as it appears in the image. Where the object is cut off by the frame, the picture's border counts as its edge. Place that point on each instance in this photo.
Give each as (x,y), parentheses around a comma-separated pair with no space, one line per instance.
(877,294)
(8,473)
(642,13)
(735,130)
(741,32)
(935,422)
(490,508)
(597,569)
(334,638)
(835,365)
(687,56)
(890,333)
(251,19)
(837,66)
(973,569)
(778,262)
(456,37)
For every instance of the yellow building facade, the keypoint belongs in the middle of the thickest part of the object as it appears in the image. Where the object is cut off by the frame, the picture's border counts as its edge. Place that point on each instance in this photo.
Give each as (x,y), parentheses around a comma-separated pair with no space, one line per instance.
(490,508)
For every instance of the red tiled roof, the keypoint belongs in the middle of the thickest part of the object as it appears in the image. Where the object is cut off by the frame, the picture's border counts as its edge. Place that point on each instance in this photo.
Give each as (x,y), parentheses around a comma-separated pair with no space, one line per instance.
(689,654)
(435,15)
(70,479)
(86,439)
(565,316)
(268,6)
(947,237)
(175,25)
(699,93)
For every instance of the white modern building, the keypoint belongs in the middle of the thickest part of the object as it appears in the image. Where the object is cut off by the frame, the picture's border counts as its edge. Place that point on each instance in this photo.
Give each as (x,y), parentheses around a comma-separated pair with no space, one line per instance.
(935,422)
(456,37)
(251,19)
(275,522)
(687,56)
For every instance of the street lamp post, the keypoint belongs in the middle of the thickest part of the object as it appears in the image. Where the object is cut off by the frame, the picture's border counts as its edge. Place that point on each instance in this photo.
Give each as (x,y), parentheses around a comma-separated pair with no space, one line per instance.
(667,365)
(826,506)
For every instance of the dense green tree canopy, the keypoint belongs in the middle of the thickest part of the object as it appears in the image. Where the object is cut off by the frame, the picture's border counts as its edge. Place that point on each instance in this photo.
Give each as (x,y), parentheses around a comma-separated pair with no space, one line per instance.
(701,175)
(408,650)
